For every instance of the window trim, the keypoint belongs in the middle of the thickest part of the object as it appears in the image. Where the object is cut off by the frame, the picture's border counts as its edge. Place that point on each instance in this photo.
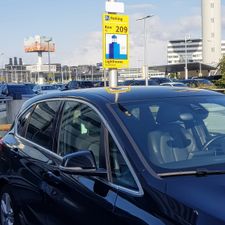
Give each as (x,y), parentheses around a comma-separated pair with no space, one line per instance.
(139,192)
(28,119)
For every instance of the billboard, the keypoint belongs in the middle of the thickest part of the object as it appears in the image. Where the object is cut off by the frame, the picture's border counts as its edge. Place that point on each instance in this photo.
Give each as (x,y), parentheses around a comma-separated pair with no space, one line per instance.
(39,44)
(115,41)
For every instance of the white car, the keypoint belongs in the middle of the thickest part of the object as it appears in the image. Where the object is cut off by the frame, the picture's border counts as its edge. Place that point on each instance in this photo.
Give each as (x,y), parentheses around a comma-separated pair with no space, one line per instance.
(174,84)
(44,89)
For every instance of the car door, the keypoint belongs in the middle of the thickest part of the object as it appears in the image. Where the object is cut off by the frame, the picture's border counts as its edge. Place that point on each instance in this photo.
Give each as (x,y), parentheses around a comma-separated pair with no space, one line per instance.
(133,205)
(80,199)
(29,152)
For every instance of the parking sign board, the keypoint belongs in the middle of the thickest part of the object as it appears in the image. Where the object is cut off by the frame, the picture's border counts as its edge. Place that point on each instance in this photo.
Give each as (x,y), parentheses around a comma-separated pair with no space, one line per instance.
(115,41)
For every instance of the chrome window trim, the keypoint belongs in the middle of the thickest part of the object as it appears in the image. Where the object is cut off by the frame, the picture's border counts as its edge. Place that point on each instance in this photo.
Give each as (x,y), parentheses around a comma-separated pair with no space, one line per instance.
(41,147)
(139,192)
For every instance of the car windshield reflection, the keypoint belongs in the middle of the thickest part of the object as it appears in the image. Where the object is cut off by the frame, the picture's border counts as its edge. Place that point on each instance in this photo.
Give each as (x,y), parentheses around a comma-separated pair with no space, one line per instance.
(178,134)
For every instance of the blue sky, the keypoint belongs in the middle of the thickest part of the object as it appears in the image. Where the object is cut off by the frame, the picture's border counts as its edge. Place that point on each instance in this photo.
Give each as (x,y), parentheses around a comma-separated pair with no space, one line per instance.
(75,26)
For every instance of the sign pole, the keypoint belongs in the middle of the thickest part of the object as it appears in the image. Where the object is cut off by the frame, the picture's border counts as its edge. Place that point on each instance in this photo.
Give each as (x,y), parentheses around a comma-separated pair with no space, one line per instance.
(113,73)
(115,40)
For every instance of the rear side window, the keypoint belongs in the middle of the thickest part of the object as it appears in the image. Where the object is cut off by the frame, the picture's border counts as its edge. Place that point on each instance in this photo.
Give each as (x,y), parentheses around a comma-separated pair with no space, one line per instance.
(22,121)
(40,129)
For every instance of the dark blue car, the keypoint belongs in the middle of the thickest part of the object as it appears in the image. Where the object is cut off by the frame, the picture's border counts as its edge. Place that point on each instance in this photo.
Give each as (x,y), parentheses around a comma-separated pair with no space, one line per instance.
(17,91)
(123,156)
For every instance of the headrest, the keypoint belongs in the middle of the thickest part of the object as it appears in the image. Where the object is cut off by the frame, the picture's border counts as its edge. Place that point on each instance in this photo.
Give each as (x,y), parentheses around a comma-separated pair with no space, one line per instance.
(199,112)
(169,114)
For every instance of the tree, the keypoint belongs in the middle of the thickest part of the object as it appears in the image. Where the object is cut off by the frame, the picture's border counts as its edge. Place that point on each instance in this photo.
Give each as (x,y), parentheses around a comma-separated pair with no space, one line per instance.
(221,65)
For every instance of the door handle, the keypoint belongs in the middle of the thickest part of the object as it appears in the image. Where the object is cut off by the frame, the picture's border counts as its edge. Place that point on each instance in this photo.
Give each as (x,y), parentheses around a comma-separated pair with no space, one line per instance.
(52,177)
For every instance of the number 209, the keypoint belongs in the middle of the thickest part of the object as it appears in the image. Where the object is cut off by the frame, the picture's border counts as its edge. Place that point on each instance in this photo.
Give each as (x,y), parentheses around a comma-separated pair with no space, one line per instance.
(121,29)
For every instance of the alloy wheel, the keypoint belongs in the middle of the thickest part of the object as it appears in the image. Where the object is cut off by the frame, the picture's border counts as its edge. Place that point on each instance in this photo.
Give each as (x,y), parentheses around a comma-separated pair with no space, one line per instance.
(7,214)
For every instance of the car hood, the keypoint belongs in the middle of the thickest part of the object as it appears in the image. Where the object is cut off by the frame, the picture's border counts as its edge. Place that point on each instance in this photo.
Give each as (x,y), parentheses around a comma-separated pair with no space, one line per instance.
(204,195)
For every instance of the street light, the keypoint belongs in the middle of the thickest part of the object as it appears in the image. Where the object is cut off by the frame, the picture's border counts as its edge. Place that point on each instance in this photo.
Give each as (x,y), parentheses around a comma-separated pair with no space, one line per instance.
(49,67)
(186,40)
(145,66)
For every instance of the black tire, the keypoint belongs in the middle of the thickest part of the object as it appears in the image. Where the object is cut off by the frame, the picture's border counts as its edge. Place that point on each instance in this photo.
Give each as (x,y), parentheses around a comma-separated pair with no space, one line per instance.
(8,210)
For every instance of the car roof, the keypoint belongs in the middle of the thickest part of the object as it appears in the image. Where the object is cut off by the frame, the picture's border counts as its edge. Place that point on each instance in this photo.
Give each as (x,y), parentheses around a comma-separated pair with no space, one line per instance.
(103,95)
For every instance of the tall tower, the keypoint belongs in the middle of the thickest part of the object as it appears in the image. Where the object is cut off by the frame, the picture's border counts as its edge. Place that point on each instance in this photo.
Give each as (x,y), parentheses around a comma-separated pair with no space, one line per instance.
(211,31)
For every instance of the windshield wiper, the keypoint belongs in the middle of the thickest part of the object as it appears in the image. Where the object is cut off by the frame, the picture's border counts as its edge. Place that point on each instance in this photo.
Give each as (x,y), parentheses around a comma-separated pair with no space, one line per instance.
(198,173)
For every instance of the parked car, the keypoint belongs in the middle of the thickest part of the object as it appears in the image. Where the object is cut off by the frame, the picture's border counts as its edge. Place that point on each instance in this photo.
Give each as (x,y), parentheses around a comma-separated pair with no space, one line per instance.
(74,84)
(197,82)
(153,155)
(160,80)
(16,91)
(45,88)
(174,84)
(203,82)
(100,83)
(59,86)
(139,82)
(30,85)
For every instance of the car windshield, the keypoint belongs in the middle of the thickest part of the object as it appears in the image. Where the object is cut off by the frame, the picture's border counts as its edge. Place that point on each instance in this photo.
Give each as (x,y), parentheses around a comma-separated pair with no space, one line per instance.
(185,133)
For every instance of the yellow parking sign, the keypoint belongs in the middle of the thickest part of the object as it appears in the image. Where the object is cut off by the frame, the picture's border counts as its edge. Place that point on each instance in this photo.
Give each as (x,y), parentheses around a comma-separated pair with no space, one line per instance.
(115,41)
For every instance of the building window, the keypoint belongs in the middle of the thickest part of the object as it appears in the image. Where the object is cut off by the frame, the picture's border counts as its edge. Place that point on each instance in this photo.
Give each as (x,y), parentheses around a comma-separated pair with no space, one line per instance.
(212,49)
(212,20)
(212,5)
(212,35)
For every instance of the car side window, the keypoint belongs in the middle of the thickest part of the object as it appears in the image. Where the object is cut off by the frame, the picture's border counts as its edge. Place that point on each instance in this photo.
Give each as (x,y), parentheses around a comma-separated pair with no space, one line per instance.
(22,121)
(80,130)
(121,174)
(40,129)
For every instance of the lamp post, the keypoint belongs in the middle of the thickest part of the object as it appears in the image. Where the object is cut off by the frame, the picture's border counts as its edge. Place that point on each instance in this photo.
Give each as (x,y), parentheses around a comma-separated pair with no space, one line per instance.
(186,40)
(49,63)
(62,78)
(200,69)
(92,73)
(145,66)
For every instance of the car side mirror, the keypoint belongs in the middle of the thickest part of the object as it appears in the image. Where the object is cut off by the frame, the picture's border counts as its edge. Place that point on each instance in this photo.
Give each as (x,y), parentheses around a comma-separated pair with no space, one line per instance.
(81,163)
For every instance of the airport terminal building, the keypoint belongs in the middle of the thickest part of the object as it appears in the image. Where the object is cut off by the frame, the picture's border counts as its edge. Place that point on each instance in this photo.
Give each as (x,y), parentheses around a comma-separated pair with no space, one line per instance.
(177,51)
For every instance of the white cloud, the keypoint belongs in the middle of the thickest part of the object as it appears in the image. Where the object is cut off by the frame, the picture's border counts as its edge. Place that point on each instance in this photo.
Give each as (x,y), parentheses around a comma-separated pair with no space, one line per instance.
(158,34)
(88,51)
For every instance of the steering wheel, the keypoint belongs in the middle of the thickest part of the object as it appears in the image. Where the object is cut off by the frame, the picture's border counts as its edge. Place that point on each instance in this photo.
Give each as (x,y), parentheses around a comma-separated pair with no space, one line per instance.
(205,146)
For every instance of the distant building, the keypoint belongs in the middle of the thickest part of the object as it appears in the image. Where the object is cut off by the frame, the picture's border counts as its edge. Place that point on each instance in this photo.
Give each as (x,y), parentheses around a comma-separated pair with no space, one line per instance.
(15,71)
(176,51)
